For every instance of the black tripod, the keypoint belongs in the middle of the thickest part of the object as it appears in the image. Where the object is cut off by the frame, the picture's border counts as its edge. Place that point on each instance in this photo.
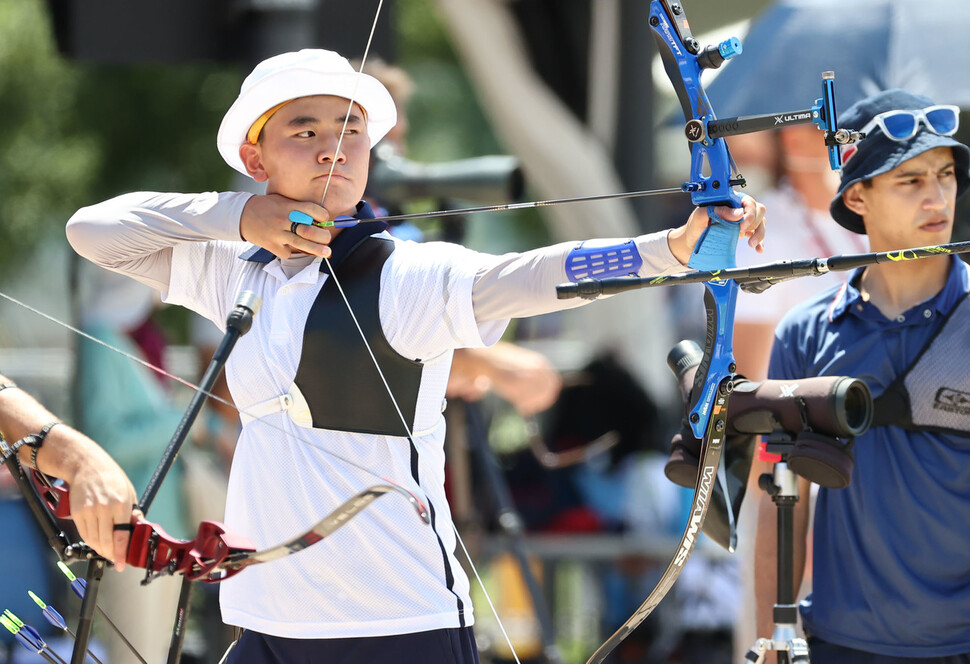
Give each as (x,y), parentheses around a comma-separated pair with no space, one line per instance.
(782,486)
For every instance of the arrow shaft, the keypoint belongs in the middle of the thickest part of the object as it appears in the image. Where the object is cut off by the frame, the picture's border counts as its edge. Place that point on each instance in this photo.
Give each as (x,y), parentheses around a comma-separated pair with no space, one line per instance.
(120,635)
(530,205)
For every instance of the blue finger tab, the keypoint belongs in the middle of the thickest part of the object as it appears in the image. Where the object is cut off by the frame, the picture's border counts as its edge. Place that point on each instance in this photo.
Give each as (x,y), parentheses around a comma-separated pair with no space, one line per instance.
(298,217)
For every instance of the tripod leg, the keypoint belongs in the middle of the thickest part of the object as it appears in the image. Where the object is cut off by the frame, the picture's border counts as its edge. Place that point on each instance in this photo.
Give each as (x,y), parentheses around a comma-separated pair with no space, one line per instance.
(88,604)
(782,485)
(799,651)
(181,622)
(794,651)
(757,653)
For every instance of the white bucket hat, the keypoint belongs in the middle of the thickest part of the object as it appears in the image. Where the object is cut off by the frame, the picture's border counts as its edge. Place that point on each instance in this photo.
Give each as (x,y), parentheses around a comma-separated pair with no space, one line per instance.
(305,73)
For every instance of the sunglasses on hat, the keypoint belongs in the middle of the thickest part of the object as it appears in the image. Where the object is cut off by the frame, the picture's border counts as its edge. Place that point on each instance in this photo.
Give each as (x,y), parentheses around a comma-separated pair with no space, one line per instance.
(943,120)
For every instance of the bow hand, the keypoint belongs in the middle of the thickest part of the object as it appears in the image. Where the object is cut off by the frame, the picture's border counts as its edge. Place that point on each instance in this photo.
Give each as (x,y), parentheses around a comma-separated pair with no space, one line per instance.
(125,536)
(751,214)
(100,496)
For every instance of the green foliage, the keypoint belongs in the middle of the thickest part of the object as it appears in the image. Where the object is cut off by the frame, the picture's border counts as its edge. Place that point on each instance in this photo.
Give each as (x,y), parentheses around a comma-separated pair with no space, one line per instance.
(445,117)
(156,125)
(44,162)
(72,133)
(75,133)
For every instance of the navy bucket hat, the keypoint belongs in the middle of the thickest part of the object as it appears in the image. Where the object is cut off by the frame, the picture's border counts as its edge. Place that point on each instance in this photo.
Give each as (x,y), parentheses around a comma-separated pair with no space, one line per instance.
(877,154)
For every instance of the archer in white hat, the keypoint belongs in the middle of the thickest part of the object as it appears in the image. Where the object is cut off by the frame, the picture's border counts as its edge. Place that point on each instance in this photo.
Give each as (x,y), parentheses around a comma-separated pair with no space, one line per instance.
(283,78)
(332,403)
(292,114)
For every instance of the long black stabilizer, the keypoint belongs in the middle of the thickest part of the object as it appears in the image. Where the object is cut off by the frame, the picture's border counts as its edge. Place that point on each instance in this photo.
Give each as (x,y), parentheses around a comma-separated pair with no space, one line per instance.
(758,278)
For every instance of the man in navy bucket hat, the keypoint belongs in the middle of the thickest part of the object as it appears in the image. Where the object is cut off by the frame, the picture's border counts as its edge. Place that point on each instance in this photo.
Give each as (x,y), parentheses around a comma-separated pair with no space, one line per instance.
(891,581)
(880,153)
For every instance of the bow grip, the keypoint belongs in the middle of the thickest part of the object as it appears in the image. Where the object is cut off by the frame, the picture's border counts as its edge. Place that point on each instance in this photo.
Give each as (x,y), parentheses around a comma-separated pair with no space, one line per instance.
(720,298)
(153,549)
(716,248)
(57,498)
(211,546)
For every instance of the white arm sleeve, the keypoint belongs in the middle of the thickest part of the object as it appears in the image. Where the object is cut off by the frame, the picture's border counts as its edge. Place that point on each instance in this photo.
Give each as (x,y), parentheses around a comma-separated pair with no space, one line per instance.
(134,233)
(524,284)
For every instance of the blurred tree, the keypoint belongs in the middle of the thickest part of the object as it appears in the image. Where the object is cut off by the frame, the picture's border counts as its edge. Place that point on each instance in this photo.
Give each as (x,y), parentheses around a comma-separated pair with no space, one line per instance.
(156,125)
(76,133)
(445,117)
(45,164)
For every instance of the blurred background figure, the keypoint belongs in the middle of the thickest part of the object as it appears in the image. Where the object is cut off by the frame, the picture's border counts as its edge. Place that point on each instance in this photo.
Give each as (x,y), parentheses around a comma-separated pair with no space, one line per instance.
(129,410)
(798,183)
(401,86)
(870,46)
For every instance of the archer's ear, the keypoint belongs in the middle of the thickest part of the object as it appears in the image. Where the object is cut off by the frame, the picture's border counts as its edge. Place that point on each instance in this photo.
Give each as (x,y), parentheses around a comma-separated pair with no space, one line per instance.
(854,199)
(253,161)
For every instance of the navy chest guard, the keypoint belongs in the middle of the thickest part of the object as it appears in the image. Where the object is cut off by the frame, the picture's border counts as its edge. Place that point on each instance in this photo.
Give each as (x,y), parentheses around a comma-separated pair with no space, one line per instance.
(336,376)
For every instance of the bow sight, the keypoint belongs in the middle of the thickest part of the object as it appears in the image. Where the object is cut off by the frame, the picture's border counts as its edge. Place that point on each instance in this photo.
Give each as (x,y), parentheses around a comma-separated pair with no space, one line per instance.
(703,127)
(822,114)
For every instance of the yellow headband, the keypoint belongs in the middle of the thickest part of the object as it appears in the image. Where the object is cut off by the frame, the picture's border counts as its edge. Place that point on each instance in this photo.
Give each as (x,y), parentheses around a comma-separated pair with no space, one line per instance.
(253,134)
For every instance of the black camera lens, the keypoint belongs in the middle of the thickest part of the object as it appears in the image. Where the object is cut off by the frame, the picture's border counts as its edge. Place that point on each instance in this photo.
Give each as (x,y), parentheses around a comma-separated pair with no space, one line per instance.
(854,407)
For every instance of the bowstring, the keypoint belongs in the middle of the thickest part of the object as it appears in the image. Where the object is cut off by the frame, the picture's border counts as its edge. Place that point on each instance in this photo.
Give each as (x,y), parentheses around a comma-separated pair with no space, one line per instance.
(350,106)
(271,425)
(187,383)
(363,337)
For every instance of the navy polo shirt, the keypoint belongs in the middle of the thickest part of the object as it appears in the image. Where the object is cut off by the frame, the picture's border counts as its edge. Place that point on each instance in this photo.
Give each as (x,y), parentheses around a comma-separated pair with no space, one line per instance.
(892,550)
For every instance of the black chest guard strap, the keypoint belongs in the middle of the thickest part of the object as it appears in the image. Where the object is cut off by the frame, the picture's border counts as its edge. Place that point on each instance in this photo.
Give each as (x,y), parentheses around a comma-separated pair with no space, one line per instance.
(933,394)
(337,376)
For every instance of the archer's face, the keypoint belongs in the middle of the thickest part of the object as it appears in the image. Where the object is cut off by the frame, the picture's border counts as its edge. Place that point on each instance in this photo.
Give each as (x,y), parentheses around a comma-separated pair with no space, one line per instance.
(298,150)
(911,205)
